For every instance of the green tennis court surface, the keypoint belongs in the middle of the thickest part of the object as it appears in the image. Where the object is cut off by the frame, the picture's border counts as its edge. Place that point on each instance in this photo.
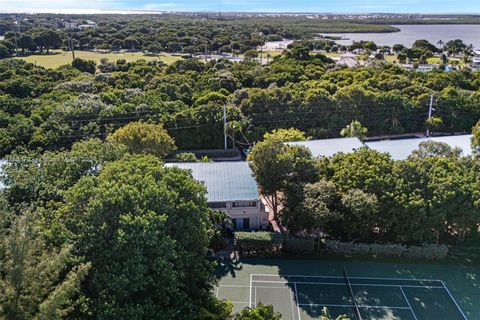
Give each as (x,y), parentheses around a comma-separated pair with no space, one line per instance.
(300,296)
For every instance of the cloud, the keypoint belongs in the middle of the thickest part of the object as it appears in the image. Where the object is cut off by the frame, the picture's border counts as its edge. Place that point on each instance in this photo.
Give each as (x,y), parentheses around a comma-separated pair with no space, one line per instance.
(42,5)
(163,6)
(470,6)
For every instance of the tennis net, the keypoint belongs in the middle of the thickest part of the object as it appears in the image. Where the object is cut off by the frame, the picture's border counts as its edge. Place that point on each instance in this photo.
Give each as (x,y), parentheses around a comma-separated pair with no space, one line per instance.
(349,285)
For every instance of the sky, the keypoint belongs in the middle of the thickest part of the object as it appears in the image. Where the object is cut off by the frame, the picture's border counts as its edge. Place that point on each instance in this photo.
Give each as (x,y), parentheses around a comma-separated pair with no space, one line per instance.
(322,6)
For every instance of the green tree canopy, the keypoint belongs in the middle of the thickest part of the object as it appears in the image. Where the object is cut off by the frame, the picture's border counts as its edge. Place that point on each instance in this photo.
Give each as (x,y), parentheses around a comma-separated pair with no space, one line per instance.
(260,312)
(286,135)
(354,129)
(436,149)
(146,138)
(144,228)
(36,281)
(476,138)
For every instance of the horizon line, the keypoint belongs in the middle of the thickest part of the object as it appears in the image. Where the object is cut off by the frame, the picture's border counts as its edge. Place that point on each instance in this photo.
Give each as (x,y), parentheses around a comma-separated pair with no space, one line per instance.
(149,11)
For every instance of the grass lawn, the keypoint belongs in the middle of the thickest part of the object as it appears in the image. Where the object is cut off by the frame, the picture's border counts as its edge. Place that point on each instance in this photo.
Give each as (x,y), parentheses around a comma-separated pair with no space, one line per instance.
(272,53)
(299,288)
(390,58)
(58,57)
(433,60)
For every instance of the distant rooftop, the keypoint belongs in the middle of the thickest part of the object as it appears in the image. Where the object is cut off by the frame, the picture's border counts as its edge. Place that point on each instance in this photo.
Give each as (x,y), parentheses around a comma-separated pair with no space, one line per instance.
(225,181)
(400,149)
(329,147)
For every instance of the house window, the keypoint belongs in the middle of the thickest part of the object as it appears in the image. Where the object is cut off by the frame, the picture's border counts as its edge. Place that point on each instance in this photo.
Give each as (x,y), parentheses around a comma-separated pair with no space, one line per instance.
(217,205)
(246,223)
(241,224)
(244,204)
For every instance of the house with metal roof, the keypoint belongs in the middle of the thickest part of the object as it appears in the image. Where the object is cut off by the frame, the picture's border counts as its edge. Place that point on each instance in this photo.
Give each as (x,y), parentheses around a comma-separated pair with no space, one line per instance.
(230,188)
(329,147)
(400,149)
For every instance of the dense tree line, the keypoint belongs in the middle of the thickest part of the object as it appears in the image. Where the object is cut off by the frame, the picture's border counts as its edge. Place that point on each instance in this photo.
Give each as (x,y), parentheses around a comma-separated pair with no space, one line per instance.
(172,33)
(430,197)
(52,108)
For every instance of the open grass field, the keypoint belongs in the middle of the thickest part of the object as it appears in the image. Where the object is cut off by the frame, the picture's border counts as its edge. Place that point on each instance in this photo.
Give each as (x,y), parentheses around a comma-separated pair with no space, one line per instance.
(299,289)
(58,57)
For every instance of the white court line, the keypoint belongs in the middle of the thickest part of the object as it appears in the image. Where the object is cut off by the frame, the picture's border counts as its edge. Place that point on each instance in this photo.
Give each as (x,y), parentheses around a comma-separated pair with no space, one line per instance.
(337,277)
(268,287)
(291,304)
(408,303)
(255,298)
(353,284)
(454,301)
(250,299)
(216,294)
(297,301)
(352,306)
(233,286)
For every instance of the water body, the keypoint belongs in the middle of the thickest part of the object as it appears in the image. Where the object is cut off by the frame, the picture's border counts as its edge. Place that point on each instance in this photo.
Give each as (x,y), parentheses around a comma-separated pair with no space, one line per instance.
(470,34)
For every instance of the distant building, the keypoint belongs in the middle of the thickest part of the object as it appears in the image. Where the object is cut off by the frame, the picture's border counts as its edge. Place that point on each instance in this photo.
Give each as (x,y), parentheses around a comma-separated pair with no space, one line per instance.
(400,149)
(349,61)
(421,67)
(329,147)
(230,188)
(78,24)
(70,24)
(475,65)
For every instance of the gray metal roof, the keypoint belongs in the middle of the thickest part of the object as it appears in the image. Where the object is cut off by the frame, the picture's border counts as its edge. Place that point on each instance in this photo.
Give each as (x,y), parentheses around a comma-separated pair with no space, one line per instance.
(225,181)
(400,149)
(329,147)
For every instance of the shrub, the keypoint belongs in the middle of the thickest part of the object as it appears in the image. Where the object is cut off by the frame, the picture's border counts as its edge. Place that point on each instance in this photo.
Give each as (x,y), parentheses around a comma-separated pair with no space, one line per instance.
(258,242)
(84,65)
(428,251)
(305,245)
(272,243)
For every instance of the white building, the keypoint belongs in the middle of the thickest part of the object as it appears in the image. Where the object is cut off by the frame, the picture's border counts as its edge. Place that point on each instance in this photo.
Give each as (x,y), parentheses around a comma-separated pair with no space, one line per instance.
(230,188)
(475,65)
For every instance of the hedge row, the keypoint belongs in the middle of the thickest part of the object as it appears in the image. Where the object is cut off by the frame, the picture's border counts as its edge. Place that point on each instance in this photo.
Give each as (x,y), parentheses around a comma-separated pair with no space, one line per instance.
(271,243)
(428,251)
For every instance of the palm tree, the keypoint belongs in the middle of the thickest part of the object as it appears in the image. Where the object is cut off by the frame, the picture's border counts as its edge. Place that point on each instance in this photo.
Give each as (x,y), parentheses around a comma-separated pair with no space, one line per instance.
(326,315)
(441,45)
(354,129)
(466,59)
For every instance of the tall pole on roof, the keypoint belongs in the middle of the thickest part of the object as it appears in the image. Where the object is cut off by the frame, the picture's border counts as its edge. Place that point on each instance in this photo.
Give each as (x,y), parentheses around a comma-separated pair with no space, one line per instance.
(225,126)
(430,109)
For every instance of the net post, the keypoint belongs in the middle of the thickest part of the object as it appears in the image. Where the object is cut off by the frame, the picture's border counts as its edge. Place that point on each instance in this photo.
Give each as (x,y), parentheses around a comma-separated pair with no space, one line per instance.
(250,289)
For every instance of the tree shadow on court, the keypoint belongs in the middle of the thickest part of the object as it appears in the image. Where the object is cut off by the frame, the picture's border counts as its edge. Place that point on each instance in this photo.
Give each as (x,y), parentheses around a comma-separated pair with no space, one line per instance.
(462,280)
(227,265)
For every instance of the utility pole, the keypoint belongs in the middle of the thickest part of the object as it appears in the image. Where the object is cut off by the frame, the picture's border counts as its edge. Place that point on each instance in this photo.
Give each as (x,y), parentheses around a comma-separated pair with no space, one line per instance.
(430,109)
(205,45)
(72,46)
(205,41)
(17,34)
(225,126)
(69,39)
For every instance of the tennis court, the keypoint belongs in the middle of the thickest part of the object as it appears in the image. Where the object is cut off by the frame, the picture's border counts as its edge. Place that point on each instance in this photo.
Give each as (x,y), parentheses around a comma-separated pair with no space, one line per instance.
(301,297)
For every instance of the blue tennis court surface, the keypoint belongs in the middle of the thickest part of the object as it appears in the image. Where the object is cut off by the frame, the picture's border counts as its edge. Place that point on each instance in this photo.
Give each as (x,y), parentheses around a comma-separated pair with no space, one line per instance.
(300,297)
